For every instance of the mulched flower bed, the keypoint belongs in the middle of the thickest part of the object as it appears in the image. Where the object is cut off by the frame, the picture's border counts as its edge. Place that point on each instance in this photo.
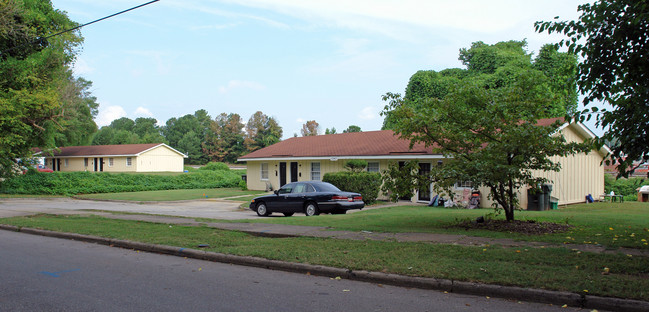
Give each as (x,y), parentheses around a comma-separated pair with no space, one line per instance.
(527,227)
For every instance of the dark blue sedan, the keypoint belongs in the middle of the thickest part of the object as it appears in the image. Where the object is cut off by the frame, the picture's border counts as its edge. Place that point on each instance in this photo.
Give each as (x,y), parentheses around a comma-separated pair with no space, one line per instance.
(311,198)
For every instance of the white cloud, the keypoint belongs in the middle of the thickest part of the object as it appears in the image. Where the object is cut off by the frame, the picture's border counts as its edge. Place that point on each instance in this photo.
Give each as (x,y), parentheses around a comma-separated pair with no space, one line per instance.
(108,114)
(81,67)
(300,120)
(143,112)
(240,84)
(368,113)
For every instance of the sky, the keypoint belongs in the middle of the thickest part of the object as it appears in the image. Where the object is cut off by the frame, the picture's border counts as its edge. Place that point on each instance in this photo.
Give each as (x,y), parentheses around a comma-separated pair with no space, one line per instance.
(323,60)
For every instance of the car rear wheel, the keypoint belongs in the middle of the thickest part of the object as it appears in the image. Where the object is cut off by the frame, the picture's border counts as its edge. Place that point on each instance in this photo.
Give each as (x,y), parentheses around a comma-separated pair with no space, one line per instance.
(311,209)
(288,214)
(262,210)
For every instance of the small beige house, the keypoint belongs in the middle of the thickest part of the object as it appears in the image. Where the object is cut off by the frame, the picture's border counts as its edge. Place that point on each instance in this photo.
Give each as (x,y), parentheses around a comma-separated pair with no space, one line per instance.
(153,157)
(309,158)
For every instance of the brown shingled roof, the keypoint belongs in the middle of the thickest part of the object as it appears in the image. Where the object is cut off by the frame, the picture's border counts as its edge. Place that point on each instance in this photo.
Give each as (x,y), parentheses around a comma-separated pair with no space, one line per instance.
(370,143)
(103,150)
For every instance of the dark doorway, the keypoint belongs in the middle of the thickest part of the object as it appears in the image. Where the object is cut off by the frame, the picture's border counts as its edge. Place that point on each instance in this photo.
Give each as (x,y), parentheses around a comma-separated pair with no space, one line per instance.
(293,171)
(56,164)
(282,174)
(101,164)
(95,163)
(424,190)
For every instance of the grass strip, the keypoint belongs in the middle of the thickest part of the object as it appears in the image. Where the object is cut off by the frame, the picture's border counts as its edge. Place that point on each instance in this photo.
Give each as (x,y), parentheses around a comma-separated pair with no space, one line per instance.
(543,268)
(612,225)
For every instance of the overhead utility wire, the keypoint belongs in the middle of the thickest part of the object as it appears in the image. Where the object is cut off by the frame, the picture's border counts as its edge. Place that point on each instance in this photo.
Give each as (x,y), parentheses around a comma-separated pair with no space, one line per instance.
(80,26)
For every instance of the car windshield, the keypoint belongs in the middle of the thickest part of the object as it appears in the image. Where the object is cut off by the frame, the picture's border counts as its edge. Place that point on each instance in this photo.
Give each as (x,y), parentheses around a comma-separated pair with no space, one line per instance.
(326,187)
(286,189)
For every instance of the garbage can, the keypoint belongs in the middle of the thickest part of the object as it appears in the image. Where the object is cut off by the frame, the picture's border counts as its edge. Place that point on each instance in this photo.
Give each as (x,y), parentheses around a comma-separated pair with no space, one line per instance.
(533,196)
(554,202)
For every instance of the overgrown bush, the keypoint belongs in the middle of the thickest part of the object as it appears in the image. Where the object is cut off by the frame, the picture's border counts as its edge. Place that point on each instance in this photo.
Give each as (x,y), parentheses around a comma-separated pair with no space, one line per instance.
(214,166)
(72,183)
(625,187)
(365,183)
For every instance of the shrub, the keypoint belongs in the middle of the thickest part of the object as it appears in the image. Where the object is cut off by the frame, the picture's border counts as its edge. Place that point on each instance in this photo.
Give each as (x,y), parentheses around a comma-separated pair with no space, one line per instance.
(365,183)
(214,166)
(625,187)
(356,165)
(71,183)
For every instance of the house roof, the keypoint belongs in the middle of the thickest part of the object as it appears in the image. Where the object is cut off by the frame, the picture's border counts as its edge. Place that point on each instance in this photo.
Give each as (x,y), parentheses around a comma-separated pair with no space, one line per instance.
(344,145)
(106,150)
(379,144)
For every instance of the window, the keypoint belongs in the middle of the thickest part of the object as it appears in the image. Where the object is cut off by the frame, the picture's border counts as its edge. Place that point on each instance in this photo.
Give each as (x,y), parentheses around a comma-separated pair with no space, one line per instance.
(110,162)
(264,171)
(85,162)
(372,167)
(66,162)
(129,161)
(463,184)
(315,171)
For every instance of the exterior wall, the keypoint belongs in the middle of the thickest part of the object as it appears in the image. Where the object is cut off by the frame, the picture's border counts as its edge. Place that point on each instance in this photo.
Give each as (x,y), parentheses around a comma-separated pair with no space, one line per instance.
(580,174)
(159,159)
(78,164)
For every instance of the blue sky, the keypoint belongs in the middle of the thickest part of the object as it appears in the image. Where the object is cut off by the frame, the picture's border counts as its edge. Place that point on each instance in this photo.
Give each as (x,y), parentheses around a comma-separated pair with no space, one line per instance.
(328,61)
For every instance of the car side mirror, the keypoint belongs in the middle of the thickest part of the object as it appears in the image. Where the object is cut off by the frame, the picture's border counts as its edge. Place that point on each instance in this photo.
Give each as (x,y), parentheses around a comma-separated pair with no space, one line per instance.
(276,192)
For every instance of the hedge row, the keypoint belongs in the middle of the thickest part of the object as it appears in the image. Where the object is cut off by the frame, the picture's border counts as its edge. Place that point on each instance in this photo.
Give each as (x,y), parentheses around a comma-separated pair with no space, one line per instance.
(365,183)
(71,183)
(625,187)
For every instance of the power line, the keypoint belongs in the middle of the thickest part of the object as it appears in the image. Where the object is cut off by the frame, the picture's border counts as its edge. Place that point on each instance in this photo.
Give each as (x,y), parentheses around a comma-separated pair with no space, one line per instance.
(78,27)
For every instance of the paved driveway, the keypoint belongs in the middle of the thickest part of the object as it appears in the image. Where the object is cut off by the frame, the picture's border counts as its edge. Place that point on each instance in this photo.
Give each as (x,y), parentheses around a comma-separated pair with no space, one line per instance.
(207,208)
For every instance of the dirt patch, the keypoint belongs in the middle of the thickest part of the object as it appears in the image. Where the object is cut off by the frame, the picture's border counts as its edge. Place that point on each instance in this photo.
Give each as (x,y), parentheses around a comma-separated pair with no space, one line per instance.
(528,227)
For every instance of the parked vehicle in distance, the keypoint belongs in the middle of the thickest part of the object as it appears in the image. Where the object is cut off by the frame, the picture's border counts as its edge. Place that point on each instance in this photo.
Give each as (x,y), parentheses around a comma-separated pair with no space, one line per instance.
(42,168)
(310,198)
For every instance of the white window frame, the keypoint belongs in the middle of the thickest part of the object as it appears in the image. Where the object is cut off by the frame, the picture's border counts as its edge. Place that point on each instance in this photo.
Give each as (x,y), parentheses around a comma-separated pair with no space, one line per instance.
(66,162)
(463,185)
(378,166)
(263,173)
(316,174)
(110,162)
(129,161)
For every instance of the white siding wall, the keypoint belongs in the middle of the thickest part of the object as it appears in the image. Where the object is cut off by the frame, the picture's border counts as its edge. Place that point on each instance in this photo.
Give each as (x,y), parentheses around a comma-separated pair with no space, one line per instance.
(159,159)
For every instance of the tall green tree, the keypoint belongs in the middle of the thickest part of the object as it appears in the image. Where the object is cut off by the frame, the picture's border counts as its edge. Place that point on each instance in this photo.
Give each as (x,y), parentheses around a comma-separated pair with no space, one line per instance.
(148,130)
(225,138)
(499,66)
(78,110)
(489,137)
(352,128)
(611,37)
(32,71)
(261,131)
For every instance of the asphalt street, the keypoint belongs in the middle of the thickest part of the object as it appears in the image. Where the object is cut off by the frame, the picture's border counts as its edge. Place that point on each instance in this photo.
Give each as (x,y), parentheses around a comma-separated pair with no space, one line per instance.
(50,274)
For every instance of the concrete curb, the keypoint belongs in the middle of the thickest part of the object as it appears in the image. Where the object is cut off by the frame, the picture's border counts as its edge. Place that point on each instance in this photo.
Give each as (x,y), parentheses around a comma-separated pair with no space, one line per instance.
(506,292)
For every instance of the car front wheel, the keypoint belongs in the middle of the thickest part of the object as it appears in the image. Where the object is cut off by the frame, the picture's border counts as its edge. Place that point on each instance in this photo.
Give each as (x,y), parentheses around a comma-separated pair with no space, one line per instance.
(311,209)
(262,211)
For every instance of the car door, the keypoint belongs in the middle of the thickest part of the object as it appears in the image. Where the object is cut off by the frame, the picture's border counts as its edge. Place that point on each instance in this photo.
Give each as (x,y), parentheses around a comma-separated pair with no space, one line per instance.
(281,198)
(295,200)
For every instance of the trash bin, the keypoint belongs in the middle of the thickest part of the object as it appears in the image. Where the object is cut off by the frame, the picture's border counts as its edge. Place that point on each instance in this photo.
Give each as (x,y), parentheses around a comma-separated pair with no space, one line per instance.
(539,198)
(533,196)
(554,202)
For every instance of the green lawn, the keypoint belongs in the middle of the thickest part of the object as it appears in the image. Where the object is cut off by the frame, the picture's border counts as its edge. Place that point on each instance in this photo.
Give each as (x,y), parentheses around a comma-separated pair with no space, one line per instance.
(543,268)
(170,195)
(609,224)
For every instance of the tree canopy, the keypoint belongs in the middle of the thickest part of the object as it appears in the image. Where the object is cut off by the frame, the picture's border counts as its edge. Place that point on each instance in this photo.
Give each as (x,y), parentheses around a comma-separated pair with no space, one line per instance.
(310,128)
(489,137)
(611,38)
(35,97)
(261,131)
(499,66)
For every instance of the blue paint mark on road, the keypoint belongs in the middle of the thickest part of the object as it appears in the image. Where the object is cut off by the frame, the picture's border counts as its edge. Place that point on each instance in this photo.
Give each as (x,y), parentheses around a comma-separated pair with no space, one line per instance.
(56,274)
(181,249)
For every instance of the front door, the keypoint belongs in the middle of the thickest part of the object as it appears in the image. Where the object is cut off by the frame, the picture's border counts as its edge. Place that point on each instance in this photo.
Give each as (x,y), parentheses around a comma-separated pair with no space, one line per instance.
(96,164)
(282,174)
(424,190)
(293,171)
